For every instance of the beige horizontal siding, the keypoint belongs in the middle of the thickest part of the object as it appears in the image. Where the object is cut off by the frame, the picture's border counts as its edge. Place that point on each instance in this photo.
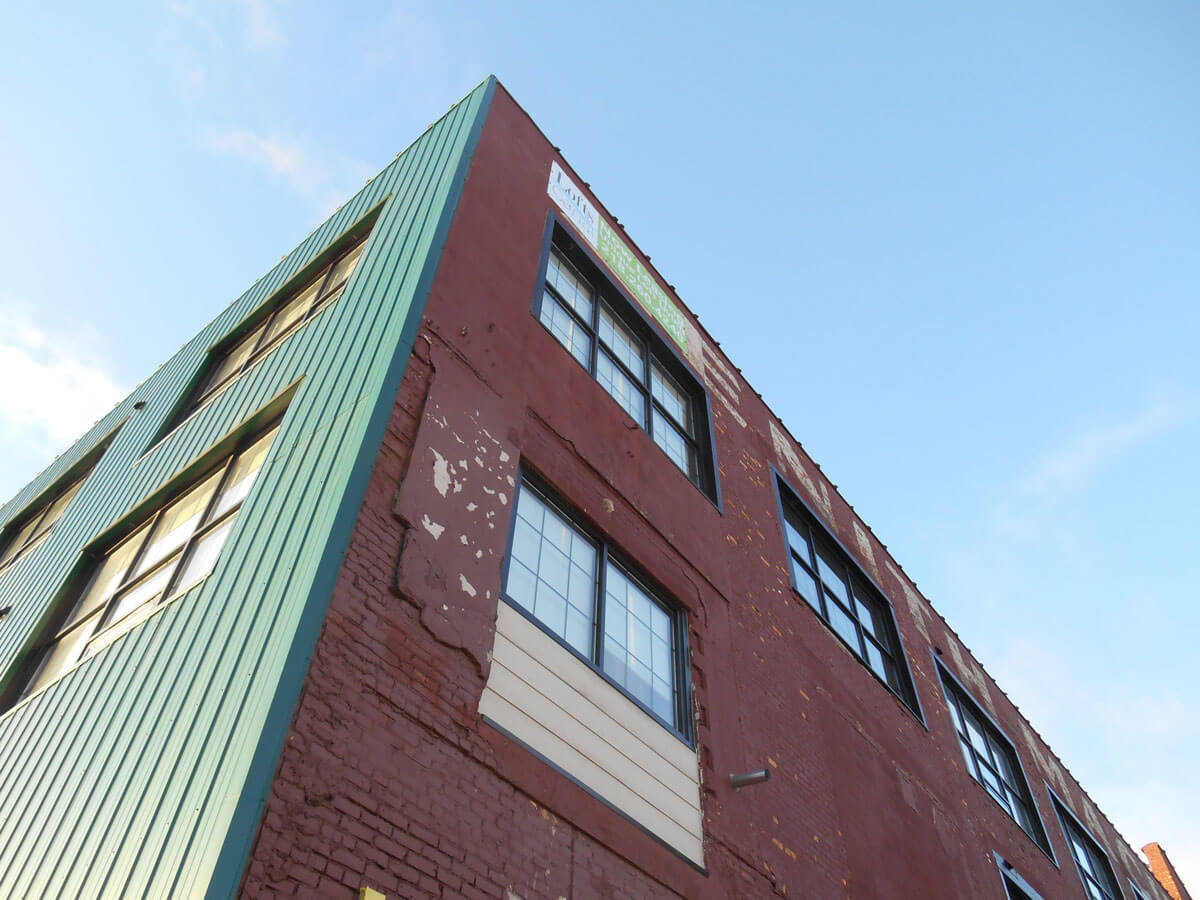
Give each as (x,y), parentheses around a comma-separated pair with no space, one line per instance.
(548,699)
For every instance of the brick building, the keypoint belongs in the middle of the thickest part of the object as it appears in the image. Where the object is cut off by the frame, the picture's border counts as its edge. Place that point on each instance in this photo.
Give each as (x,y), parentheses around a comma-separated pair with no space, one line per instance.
(455,559)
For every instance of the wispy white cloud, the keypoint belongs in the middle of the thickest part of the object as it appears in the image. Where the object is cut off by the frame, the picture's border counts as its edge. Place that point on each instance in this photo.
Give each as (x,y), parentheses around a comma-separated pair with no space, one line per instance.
(197,37)
(61,381)
(322,178)
(262,28)
(1087,452)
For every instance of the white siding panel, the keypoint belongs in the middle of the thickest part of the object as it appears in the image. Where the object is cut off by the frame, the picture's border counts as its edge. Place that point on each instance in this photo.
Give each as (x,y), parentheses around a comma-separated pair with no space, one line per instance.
(546,698)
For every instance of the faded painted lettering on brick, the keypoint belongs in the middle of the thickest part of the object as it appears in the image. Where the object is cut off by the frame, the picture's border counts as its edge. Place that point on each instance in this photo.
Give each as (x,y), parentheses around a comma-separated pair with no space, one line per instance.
(616,254)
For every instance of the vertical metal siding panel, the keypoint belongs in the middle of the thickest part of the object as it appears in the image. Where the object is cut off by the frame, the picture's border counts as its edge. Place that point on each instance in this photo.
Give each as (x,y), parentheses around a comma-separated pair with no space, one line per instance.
(121,776)
(142,738)
(91,775)
(352,374)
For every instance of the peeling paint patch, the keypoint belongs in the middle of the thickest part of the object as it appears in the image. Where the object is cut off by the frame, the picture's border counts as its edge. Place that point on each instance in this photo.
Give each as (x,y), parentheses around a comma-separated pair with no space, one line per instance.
(471,507)
(503,498)
(916,607)
(512,482)
(432,527)
(441,472)
(466,585)
(479,554)
(504,457)
(969,671)
(864,545)
(463,539)
(818,493)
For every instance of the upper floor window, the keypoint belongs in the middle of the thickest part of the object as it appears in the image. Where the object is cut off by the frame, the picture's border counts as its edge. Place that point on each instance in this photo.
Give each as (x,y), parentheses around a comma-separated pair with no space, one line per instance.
(31,529)
(837,590)
(569,581)
(229,360)
(1099,882)
(174,547)
(991,759)
(599,327)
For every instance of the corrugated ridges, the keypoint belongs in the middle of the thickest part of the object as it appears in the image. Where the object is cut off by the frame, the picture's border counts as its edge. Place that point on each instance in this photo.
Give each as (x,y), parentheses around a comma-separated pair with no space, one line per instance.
(122,778)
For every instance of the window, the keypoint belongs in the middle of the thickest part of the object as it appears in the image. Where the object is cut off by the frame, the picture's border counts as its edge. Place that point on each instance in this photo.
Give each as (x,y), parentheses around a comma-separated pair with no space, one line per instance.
(227,363)
(1015,887)
(1098,879)
(600,328)
(172,549)
(824,575)
(991,759)
(569,582)
(33,528)
(1138,894)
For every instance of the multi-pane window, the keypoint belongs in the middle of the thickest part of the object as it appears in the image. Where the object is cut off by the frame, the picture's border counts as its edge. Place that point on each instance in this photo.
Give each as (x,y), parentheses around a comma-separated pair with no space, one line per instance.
(35,526)
(569,582)
(1098,879)
(587,317)
(228,363)
(991,759)
(1015,887)
(823,574)
(171,550)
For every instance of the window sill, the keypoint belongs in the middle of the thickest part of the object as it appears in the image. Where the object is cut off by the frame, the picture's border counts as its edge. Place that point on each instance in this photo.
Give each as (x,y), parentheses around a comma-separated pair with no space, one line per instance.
(107,638)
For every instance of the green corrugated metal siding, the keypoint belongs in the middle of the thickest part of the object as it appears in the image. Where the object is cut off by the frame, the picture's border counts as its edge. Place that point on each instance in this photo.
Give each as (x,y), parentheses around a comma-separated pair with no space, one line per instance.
(142,771)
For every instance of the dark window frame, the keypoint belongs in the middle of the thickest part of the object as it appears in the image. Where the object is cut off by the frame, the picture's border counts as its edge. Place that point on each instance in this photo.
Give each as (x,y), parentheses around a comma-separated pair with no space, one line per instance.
(608,553)
(955,692)
(1069,823)
(610,294)
(200,394)
(1012,879)
(39,508)
(792,507)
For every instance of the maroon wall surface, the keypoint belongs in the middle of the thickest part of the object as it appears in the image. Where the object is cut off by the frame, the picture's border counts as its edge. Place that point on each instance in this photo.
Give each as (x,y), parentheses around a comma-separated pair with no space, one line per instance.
(389,778)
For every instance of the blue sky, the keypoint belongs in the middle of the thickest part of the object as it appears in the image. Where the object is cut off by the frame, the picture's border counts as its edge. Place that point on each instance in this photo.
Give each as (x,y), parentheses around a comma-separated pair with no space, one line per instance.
(954,247)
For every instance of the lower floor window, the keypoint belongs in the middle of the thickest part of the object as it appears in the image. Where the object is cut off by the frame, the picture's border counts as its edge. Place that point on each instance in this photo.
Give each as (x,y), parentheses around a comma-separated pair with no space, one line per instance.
(173,548)
(569,582)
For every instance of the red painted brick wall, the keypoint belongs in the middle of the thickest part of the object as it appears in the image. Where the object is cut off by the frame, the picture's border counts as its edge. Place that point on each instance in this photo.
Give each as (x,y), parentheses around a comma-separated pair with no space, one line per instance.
(390,780)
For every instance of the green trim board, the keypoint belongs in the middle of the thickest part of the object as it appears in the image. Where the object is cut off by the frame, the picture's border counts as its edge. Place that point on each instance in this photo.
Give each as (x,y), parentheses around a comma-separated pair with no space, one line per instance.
(142,771)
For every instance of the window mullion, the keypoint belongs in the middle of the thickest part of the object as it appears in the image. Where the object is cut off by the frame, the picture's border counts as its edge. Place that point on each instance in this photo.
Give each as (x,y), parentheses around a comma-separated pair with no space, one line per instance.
(601,594)
(193,538)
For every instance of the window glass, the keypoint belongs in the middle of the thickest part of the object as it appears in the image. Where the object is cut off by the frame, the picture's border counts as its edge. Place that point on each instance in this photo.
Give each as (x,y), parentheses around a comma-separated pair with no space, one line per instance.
(624,346)
(291,314)
(574,291)
(671,398)
(19,541)
(176,523)
(552,574)
(991,759)
(552,571)
(38,523)
(619,386)
(854,609)
(570,333)
(233,360)
(242,475)
(617,348)
(674,444)
(288,311)
(174,547)
(342,270)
